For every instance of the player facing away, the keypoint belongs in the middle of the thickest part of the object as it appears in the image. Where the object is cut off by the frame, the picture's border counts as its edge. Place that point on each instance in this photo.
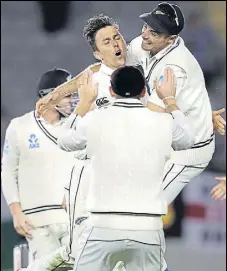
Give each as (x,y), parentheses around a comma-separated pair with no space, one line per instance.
(120,227)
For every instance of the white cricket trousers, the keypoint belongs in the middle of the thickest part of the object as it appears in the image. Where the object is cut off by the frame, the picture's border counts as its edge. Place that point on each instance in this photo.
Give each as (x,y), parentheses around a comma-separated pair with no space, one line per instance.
(47,239)
(100,249)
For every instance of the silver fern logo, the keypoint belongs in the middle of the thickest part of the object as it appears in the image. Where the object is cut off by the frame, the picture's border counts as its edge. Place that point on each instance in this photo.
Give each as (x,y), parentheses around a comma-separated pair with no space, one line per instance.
(33,142)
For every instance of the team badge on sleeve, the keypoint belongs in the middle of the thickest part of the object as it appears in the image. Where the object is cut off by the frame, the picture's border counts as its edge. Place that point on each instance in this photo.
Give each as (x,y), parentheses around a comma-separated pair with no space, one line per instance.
(6,147)
(33,141)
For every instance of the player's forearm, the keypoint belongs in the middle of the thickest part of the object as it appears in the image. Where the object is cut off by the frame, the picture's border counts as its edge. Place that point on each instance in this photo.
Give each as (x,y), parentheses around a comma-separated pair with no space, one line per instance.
(68,87)
(9,185)
(71,86)
(82,108)
(155,108)
(15,208)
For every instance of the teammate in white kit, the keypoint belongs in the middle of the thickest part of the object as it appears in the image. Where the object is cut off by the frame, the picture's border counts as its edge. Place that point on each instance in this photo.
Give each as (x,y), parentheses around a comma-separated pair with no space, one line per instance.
(122,142)
(34,171)
(106,40)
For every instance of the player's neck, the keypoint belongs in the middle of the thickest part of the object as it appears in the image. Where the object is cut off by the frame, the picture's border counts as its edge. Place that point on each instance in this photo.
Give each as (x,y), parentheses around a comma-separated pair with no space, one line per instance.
(52,117)
(110,66)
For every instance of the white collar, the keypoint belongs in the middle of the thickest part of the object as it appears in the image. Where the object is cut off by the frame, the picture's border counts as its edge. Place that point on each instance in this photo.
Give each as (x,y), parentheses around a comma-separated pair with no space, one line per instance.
(168,48)
(58,123)
(106,69)
(129,101)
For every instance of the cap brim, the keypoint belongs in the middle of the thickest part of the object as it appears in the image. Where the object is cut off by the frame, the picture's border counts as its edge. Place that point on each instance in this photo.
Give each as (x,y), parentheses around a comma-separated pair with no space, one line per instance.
(150,19)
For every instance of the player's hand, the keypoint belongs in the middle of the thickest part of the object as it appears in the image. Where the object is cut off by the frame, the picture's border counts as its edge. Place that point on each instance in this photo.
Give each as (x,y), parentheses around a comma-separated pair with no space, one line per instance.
(218,121)
(46,103)
(22,224)
(167,87)
(87,90)
(219,190)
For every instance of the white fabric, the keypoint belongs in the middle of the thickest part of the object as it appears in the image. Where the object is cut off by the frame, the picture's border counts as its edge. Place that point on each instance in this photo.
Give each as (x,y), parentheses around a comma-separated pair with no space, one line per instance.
(132,131)
(192,96)
(47,239)
(34,170)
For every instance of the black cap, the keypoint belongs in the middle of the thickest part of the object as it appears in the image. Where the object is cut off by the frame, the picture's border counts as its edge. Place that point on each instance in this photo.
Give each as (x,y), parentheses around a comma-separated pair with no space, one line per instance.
(52,79)
(166,18)
(127,82)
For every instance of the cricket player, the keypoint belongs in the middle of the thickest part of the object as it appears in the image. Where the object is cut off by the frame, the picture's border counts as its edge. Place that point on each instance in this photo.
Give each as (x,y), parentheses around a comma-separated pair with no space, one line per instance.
(68,142)
(34,171)
(104,36)
(120,169)
(160,46)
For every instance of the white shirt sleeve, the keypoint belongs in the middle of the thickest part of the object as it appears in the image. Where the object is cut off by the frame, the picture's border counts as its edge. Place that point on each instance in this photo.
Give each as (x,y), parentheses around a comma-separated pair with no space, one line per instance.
(183,136)
(134,52)
(10,164)
(73,137)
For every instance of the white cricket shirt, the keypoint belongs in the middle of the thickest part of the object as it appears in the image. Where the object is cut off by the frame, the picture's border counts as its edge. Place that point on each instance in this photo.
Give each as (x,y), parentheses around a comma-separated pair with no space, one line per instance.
(35,170)
(192,97)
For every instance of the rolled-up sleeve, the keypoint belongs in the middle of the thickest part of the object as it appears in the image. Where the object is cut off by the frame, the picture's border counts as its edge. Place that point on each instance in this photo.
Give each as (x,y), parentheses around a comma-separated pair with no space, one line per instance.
(183,136)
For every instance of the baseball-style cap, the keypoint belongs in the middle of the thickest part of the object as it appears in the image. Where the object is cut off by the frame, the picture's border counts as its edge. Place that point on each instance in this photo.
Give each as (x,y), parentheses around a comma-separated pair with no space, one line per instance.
(52,79)
(127,82)
(165,18)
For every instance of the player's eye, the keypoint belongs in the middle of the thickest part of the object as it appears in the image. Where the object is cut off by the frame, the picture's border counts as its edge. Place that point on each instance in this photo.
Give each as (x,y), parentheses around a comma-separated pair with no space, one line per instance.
(106,42)
(117,37)
(153,33)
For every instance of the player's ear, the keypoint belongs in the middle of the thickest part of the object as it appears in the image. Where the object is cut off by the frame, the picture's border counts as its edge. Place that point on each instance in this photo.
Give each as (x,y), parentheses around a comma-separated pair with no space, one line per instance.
(143,92)
(112,92)
(171,39)
(97,55)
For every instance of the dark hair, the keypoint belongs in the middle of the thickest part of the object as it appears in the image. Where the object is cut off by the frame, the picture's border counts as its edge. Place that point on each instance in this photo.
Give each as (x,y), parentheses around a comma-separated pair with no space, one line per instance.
(127,82)
(94,24)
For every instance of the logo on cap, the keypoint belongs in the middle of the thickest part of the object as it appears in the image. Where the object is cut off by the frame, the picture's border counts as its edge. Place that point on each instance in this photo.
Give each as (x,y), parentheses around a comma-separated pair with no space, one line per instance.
(159,12)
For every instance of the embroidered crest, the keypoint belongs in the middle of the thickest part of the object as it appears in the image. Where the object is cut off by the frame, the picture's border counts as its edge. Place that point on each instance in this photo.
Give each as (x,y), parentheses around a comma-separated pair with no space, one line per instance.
(33,142)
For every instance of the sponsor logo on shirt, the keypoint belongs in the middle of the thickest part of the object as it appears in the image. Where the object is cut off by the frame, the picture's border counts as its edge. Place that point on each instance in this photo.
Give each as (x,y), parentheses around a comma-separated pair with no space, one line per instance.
(33,142)
(6,147)
(104,101)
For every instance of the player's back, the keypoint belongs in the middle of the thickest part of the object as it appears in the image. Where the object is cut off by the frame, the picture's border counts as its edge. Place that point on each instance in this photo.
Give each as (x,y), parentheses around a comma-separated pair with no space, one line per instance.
(129,146)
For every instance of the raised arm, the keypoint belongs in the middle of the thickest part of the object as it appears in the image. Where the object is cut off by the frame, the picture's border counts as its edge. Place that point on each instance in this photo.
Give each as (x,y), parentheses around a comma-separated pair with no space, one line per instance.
(183,137)
(74,137)
(62,91)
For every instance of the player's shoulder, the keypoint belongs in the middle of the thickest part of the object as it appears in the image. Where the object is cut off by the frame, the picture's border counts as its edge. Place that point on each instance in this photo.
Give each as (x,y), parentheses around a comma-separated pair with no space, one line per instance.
(135,44)
(159,116)
(136,41)
(21,119)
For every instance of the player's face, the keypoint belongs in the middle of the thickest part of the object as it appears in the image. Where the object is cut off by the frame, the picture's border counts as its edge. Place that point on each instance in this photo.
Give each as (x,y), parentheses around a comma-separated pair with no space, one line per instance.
(67,104)
(154,42)
(111,47)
